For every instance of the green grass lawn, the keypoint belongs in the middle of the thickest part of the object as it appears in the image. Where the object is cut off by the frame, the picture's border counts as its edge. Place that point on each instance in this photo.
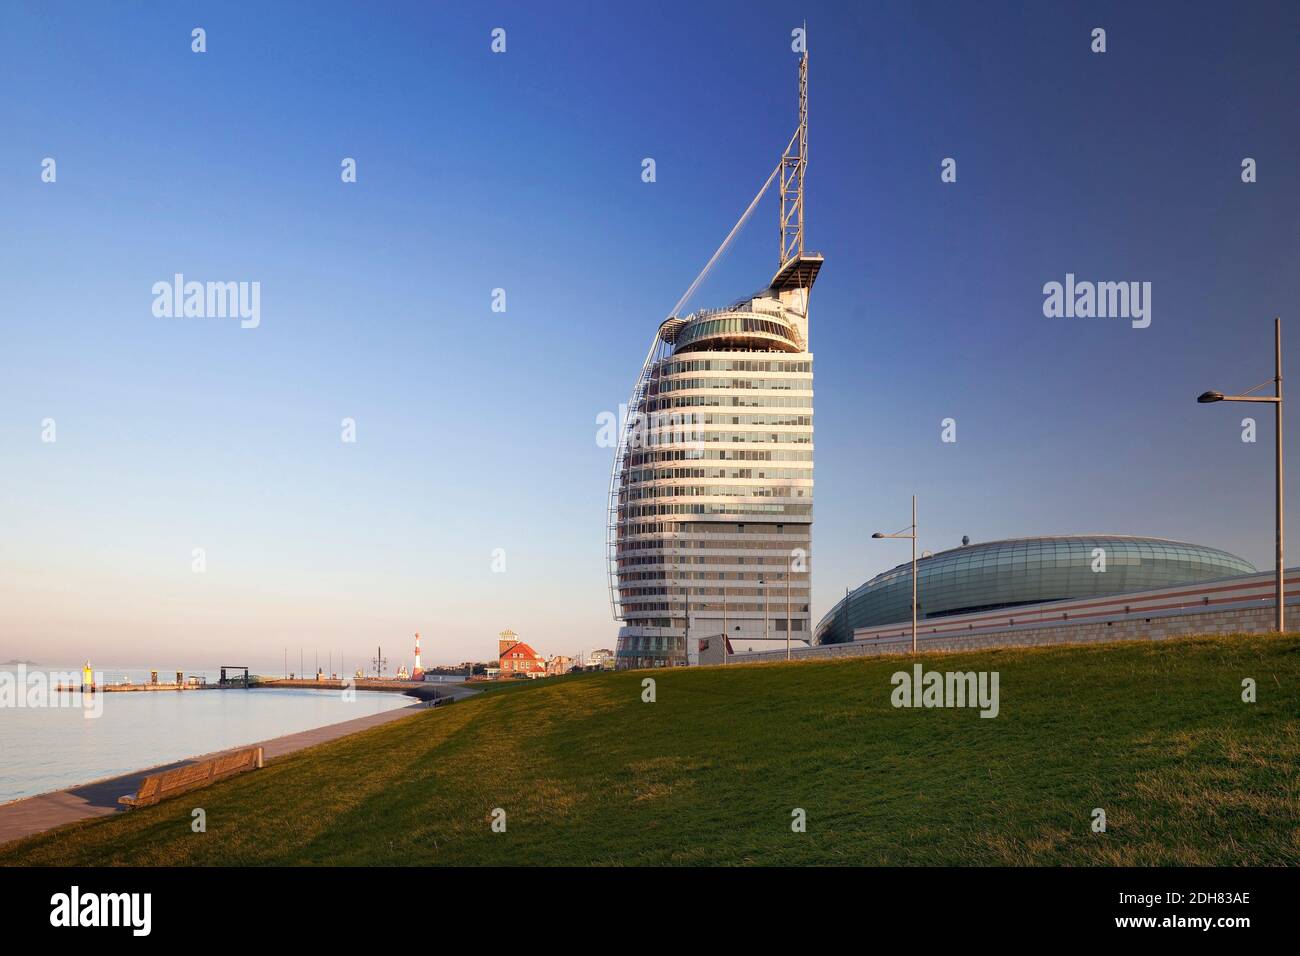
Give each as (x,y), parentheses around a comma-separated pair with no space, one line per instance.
(1154,733)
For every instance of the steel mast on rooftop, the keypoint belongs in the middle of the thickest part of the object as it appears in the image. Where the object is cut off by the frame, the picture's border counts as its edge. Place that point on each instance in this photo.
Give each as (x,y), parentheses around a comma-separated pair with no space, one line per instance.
(794,163)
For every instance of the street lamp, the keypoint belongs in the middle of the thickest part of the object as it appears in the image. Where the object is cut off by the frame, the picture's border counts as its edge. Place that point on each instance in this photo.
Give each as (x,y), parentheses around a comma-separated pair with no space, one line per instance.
(686,593)
(787,614)
(912,535)
(1205,398)
(725,635)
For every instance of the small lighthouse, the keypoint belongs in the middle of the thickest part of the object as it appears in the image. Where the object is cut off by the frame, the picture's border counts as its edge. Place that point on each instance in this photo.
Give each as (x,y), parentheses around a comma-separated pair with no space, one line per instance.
(417,672)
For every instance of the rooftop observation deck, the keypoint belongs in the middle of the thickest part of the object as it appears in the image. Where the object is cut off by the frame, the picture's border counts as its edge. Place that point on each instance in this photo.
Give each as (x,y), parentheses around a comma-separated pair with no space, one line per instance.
(799,272)
(755,321)
(724,331)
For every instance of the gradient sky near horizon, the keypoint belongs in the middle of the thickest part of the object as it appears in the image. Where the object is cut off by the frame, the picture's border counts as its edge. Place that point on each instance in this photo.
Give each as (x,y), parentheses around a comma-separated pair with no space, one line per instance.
(477,430)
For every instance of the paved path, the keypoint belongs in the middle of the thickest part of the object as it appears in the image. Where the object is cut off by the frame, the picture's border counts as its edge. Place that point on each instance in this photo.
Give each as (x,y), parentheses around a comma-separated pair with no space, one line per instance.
(24,817)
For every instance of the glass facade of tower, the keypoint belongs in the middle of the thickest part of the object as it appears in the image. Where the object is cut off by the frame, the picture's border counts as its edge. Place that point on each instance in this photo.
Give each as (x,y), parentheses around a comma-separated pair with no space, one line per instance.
(714,506)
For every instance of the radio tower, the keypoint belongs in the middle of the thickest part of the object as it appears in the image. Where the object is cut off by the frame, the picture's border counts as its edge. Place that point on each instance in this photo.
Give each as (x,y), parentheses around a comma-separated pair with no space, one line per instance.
(417,672)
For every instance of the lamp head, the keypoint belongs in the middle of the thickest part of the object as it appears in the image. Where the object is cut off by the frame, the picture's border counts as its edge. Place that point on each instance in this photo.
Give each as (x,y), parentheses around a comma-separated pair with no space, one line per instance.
(1206,398)
(877,535)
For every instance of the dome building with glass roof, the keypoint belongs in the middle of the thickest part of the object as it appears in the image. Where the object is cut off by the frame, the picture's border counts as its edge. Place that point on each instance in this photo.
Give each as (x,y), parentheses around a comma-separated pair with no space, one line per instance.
(1021,571)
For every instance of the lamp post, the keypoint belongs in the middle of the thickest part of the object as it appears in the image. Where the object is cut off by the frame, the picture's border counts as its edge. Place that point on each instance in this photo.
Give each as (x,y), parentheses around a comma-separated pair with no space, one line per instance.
(724,625)
(787,614)
(686,594)
(762,582)
(911,535)
(686,631)
(1275,399)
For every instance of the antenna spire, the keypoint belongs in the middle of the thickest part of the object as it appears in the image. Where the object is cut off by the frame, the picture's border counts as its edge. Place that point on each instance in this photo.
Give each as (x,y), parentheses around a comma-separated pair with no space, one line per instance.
(794,163)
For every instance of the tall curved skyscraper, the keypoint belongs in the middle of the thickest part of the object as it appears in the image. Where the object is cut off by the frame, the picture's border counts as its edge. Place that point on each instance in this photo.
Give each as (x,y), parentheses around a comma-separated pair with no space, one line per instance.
(711,497)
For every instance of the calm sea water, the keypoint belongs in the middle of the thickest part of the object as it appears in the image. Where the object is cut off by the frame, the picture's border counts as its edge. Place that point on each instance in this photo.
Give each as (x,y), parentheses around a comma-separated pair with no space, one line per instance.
(43,749)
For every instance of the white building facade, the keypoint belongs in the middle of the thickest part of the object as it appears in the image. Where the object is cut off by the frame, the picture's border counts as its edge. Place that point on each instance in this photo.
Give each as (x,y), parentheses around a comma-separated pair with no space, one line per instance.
(711,497)
(715,503)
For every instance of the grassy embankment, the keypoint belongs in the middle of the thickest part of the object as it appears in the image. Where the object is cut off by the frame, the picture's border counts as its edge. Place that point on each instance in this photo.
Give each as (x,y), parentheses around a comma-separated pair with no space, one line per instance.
(1154,733)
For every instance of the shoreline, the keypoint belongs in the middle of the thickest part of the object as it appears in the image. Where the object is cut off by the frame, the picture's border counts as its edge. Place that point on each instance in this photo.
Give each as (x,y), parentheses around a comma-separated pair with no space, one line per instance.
(28,816)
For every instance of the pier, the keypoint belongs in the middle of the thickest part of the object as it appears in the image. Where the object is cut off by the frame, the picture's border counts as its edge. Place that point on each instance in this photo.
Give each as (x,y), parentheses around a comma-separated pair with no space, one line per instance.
(253,682)
(337,683)
(413,688)
(239,677)
(192,683)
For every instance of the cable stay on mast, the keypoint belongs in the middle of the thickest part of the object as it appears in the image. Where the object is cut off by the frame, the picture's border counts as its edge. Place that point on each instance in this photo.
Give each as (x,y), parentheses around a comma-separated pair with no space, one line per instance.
(726,243)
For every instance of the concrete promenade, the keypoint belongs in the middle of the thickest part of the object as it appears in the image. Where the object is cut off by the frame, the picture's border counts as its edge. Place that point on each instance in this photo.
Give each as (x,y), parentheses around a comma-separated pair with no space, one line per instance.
(30,815)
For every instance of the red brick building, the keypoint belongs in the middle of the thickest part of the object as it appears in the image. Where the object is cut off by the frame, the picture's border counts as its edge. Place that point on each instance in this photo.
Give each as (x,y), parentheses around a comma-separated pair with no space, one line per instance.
(516,657)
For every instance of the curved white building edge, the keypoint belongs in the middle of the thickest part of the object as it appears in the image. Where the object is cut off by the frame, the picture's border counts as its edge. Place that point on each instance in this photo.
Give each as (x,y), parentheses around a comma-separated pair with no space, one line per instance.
(715,505)
(711,497)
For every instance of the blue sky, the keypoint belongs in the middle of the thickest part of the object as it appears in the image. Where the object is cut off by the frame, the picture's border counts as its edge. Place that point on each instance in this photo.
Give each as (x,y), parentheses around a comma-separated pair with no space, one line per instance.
(477,430)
